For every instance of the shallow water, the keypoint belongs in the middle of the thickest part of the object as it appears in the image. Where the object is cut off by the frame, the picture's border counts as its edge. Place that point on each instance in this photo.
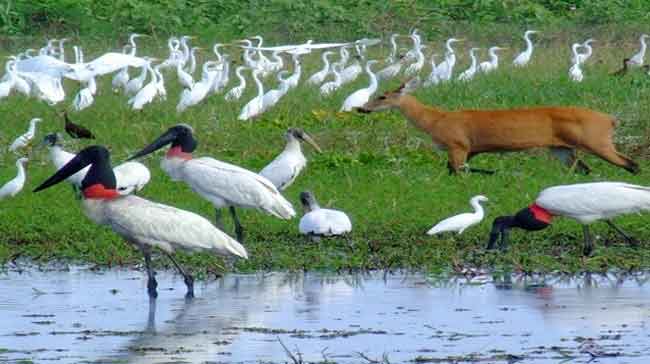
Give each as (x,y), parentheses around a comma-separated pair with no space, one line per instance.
(84,316)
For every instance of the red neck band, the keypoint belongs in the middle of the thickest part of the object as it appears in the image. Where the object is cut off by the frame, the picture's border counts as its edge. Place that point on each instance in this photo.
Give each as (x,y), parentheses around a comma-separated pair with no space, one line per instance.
(99,192)
(541,213)
(176,152)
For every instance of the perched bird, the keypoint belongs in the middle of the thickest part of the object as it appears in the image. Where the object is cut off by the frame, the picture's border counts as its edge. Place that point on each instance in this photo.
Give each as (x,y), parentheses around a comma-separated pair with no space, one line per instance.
(317,222)
(223,184)
(524,57)
(459,223)
(76,131)
(583,202)
(638,58)
(361,97)
(23,140)
(13,187)
(141,222)
(284,169)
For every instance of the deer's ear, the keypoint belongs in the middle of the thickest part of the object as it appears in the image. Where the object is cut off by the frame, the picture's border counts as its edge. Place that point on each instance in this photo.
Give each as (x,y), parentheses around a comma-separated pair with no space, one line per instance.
(410,86)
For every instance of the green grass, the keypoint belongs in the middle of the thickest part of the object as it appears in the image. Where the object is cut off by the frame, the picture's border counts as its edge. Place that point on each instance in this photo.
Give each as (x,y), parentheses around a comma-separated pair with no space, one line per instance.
(376,167)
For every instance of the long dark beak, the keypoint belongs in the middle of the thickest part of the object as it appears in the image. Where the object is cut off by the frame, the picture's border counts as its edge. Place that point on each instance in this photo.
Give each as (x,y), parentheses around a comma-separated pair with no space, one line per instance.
(311,141)
(79,162)
(167,138)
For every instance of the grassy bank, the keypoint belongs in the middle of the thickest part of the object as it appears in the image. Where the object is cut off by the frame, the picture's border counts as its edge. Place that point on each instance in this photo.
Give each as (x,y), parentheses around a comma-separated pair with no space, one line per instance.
(375,167)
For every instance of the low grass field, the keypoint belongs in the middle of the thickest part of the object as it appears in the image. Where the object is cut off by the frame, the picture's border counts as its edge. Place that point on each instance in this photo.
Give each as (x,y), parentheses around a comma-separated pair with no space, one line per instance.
(377,168)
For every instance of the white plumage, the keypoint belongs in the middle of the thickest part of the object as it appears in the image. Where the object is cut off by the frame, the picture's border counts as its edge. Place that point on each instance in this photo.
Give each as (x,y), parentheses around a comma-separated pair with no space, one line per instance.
(322,222)
(23,140)
(273,96)
(236,92)
(524,57)
(469,73)
(13,187)
(493,63)
(328,88)
(361,97)
(445,69)
(146,94)
(638,58)
(460,223)
(318,77)
(255,106)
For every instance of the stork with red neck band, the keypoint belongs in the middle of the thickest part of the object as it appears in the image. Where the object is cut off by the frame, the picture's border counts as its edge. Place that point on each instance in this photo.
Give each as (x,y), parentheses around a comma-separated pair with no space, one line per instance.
(222,184)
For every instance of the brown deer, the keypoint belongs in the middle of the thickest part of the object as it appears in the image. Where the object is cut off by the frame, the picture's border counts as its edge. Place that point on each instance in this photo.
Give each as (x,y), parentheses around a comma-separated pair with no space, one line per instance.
(467,133)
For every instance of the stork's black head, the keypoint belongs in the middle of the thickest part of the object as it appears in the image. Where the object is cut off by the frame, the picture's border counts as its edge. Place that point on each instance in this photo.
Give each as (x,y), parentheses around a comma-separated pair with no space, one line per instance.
(180,135)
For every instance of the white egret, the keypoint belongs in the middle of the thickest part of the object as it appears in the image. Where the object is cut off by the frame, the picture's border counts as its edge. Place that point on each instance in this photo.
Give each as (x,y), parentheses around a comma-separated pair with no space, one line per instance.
(222,184)
(317,221)
(272,97)
(460,223)
(222,77)
(160,85)
(361,97)
(328,88)
(583,202)
(143,223)
(524,57)
(393,49)
(200,89)
(184,78)
(638,58)
(493,63)
(254,107)
(583,57)
(236,92)
(13,187)
(351,72)
(318,77)
(284,169)
(279,62)
(414,68)
(433,76)
(83,99)
(391,70)
(575,72)
(294,79)
(469,73)
(134,85)
(122,77)
(23,140)
(192,67)
(146,94)
(445,69)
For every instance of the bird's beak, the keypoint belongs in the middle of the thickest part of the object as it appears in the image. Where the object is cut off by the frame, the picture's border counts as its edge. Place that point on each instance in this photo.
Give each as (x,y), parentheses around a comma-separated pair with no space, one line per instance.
(79,162)
(167,138)
(311,141)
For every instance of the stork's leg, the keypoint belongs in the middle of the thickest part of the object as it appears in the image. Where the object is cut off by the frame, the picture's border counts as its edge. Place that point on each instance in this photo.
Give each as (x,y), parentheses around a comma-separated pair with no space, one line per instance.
(239,230)
(630,240)
(189,280)
(151,283)
(504,239)
(218,221)
(589,243)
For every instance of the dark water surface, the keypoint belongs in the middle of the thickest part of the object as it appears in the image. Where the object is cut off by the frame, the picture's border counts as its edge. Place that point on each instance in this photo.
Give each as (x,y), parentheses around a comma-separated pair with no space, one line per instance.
(81,316)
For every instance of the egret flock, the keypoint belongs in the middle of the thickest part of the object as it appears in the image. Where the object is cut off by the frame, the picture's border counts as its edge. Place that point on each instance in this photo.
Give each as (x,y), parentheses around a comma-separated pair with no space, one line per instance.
(108,193)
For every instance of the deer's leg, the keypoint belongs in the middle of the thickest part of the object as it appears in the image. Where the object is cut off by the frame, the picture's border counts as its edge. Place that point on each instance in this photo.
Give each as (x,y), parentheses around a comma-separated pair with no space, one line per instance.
(569,158)
(608,152)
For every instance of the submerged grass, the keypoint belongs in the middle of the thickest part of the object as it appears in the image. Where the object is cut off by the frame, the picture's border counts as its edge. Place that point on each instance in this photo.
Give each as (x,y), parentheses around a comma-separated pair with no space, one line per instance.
(375,167)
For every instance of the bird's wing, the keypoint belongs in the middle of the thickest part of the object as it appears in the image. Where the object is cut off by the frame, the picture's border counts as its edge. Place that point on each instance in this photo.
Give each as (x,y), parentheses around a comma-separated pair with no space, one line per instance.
(325,222)
(145,222)
(44,64)
(282,170)
(111,62)
(454,223)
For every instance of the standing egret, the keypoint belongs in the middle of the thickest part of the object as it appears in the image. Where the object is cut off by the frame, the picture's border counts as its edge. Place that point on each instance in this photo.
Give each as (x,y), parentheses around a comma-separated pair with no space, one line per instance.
(255,106)
(121,78)
(583,57)
(141,222)
(460,223)
(393,49)
(493,63)
(294,79)
(637,59)
(433,78)
(319,222)
(361,97)
(351,72)
(74,130)
(135,85)
(236,92)
(328,88)
(524,57)
(23,140)
(160,85)
(469,73)
(318,77)
(391,70)
(575,72)
(272,97)
(414,68)
(13,187)
(146,94)
(85,97)
(199,90)
(583,202)
(223,184)
(284,169)
(445,69)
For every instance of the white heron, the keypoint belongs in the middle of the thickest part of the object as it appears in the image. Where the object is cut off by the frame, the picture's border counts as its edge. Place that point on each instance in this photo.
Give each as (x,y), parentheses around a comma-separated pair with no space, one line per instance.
(236,92)
(160,85)
(317,221)
(222,184)
(141,222)
(493,63)
(583,202)
(284,169)
(147,93)
(13,187)
(445,69)
(134,85)
(361,97)
(23,140)
(199,90)
(469,73)
(583,57)
(255,106)
(638,58)
(351,72)
(121,78)
(294,79)
(318,77)
(524,57)
(575,72)
(414,68)
(433,78)
(273,96)
(328,88)
(393,49)
(391,70)
(460,223)
(222,77)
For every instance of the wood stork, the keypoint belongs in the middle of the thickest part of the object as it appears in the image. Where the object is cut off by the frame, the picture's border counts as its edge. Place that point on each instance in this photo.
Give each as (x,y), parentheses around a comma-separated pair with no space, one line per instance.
(638,58)
(141,222)
(328,88)
(583,202)
(524,57)
(13,187)
(469,73)
(75,131)
(318,77)
(23,140)
(255,106)
(317,222)
(222,184)
(236,92)
(460,223)
(131,176)
(284,169)
(493,63)
(361,97)
(446,68)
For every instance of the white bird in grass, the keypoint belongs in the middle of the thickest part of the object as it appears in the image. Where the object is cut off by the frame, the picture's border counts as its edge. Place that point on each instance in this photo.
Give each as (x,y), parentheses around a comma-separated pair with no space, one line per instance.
(13,187)
(121,78)
(236,92)
(351,72)
(328,88)
(638,58)
(575,72)
(390,71)
(319,222)
(141,222)
(223,184)
(583,57)
(147,93)
(493,63)
(255,106)
(318,77)
(294,79)
(284,169)
(272,97)
(361,97)
(524,57)
(460,223)
(131,176)
(23,140)
(433,76)
(393,49)
(583,202)
(446,68)
(469,73)
(200,89)
(134,85)
(414,68)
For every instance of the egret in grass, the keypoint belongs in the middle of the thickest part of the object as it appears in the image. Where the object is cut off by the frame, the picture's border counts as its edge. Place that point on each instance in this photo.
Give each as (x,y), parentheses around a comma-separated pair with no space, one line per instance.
(13,187)
(24,140)
(493,63)
(460,223)
(361,97)
(638,58)
(236,92)
(255,106)
(469,73)
(524,57)
(583,57)
(318,77)
(446,68)
(328,88)
(575,72)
